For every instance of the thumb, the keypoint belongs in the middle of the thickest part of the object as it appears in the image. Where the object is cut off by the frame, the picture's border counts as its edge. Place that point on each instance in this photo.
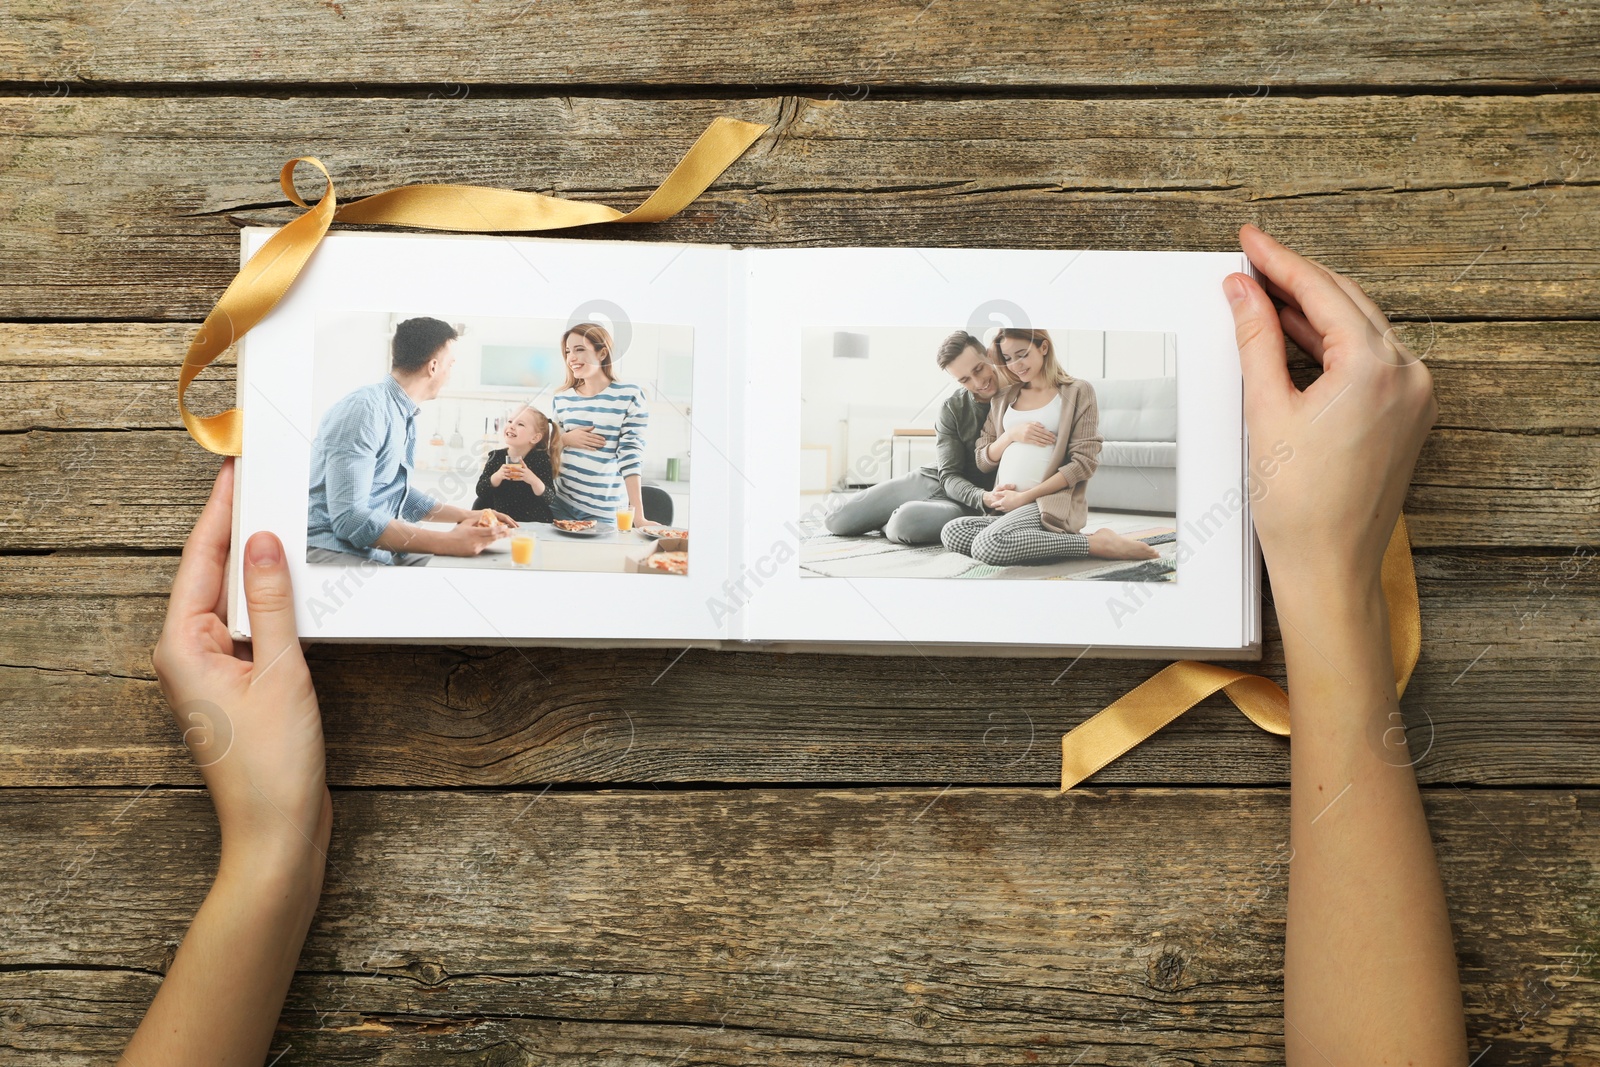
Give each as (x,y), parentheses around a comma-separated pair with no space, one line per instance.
(1262,357)
(269,599)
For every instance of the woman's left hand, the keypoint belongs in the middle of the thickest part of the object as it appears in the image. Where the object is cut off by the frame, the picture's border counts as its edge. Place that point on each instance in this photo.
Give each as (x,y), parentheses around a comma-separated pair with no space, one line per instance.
(248,713)
(250,718)
(584,437)
(1007,500)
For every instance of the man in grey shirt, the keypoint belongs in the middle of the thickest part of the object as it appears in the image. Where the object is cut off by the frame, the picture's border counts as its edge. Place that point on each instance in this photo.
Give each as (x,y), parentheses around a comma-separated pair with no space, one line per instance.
(913,508)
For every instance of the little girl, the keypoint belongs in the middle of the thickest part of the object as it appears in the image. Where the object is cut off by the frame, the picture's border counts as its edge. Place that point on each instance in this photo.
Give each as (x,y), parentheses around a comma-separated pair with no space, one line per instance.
(517,479)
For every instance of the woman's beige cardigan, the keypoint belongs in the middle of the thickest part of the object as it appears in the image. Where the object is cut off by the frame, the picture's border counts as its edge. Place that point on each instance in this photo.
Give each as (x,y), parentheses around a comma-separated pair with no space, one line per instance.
(1076,455)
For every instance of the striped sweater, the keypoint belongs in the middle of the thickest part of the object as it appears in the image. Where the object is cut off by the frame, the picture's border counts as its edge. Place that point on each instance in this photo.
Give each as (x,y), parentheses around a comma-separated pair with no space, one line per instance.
(591,479)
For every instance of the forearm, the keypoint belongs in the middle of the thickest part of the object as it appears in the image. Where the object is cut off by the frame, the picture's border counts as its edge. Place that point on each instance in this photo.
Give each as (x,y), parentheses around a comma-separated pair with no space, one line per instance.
(1053,484)
(635,495)
(401,536)
(221,998)
(448,513)
(951,453)
(1369,967)
(963,491)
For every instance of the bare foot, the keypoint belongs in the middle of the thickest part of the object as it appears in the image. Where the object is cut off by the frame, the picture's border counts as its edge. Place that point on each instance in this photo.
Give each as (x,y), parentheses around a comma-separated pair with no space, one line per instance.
(1106,543)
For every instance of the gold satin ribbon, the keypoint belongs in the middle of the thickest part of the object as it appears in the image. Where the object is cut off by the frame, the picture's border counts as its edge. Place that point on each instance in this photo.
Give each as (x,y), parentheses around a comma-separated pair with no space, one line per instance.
(1176,688)
(262,282)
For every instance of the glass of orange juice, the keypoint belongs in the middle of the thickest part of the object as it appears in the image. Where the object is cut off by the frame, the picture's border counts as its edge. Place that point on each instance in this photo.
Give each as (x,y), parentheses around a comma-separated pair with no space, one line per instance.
(522,550)
(625,520)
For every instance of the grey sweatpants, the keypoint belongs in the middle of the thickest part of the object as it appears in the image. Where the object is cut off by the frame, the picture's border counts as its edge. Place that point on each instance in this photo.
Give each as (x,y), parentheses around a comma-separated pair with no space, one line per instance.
(911,510)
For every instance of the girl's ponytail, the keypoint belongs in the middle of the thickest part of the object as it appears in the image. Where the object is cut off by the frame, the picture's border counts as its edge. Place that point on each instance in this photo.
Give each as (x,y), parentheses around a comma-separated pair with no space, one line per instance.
(552,443)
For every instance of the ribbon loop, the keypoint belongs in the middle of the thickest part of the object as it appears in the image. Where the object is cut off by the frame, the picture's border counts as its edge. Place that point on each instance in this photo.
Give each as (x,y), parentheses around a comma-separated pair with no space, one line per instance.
(286,180)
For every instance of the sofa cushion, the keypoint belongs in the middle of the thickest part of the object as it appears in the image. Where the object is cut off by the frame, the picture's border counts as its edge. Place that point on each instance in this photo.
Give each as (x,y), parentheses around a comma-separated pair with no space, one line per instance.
(1137,409)
(1139,454)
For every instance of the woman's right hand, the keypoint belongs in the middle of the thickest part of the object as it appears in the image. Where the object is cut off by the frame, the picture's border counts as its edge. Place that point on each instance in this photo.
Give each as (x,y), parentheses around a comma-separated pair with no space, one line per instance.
(1031,433)
(1329,466)
(991,499)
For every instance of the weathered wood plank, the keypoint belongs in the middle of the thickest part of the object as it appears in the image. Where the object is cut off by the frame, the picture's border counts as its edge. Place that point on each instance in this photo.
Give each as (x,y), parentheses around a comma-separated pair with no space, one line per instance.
(859,47)
(1514,460)
(1504,694)
(788,926)
(143,490)
(105,376)
(1512,377)
(1462,207)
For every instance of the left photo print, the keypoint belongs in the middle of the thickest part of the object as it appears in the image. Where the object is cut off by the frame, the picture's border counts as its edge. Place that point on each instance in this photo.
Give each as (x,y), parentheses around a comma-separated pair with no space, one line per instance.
(510,443)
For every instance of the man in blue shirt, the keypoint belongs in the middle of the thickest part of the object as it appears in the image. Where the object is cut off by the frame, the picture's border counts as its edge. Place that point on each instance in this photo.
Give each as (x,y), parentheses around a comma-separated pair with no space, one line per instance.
(362,505)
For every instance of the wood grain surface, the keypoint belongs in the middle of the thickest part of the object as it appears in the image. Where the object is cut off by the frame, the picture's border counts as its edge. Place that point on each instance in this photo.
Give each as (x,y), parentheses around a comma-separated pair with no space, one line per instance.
(1214,45)
(789,926)
(1441,207)
(626,857)
(1503,693)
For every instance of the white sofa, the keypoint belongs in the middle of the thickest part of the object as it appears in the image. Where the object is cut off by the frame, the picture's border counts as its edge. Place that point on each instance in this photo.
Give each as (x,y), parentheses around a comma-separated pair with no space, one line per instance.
(1139,463)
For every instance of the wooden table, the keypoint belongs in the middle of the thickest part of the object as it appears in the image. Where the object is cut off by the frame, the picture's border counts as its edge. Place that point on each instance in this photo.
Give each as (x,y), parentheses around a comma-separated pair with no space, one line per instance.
(759,858)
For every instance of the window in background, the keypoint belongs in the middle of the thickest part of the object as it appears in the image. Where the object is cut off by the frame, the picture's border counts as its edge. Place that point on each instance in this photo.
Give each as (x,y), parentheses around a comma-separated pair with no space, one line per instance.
(521,367)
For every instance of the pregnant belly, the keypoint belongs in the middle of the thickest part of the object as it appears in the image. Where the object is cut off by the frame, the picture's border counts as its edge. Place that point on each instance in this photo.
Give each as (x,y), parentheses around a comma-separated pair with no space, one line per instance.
(1023,465)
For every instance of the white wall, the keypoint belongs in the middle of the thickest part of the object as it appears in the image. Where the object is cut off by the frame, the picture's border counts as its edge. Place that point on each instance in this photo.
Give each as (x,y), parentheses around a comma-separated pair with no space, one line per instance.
(1122,354)
(898,381)
(352,349)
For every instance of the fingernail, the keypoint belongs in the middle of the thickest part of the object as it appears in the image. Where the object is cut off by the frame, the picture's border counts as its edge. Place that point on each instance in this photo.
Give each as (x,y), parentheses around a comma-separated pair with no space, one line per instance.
(263,550)
(1233,288)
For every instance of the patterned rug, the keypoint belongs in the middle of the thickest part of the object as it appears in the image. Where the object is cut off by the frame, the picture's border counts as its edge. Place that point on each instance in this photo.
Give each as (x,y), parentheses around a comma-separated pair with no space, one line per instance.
(874,556)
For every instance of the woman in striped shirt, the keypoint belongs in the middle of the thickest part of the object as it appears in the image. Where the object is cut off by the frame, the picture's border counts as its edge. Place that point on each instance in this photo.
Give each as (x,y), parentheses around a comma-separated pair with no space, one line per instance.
(602,434)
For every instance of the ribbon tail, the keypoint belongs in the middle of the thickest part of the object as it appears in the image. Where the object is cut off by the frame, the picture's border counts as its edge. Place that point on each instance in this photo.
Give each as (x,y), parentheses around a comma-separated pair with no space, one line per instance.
(1138,714)
(473,209)
(724,141)
(1399,579)
(1142,711)
(482,209)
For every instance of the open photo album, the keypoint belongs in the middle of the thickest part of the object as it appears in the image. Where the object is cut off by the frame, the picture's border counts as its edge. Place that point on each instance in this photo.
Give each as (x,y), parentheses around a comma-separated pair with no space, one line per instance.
(542,441)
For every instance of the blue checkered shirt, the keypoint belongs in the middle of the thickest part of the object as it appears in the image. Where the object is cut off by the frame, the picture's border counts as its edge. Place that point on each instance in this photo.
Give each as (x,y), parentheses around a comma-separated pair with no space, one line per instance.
(361,464)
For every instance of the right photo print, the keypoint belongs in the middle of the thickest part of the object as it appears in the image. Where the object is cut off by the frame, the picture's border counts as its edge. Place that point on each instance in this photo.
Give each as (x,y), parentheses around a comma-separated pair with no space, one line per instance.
(1009,453)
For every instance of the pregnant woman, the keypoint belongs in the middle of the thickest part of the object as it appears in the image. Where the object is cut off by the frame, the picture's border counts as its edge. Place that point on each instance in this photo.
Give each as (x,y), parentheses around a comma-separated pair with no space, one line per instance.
(602,438)
(1042,436)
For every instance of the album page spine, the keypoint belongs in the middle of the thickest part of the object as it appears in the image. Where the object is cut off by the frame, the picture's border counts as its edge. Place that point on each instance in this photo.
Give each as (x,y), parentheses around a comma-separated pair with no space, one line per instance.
(1250,637)
(734,392)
